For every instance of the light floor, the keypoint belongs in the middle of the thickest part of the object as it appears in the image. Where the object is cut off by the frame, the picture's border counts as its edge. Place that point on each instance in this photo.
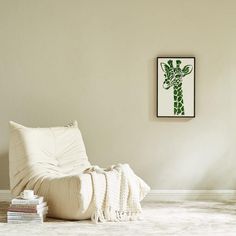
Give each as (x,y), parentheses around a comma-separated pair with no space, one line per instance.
(176,218)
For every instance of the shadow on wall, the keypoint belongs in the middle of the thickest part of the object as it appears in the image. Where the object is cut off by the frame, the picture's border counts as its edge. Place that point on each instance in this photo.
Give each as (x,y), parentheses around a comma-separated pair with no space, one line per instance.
(217,173)
(225,177)
(4,171)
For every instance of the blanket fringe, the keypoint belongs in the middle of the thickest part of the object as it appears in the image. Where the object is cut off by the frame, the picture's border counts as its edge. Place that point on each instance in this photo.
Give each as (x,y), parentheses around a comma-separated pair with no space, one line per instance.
(114,215)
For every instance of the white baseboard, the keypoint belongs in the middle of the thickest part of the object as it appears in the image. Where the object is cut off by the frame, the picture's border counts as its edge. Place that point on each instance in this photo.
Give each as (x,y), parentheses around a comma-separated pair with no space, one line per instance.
(170,195)
(191,195)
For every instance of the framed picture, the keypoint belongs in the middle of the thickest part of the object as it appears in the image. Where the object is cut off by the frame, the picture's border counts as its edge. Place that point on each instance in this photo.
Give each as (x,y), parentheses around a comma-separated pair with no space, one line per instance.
(176,87)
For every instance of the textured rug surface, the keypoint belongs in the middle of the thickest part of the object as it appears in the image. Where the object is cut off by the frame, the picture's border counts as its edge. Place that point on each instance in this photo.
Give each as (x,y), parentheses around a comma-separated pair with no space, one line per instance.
(176,218)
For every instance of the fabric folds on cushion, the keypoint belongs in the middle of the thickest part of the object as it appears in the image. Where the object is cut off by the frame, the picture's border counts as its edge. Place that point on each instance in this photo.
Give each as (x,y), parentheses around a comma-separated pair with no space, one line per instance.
(50,162)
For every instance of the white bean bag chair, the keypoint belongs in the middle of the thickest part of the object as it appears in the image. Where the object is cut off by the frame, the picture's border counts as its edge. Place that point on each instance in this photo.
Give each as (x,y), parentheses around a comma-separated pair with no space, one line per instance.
(51,162)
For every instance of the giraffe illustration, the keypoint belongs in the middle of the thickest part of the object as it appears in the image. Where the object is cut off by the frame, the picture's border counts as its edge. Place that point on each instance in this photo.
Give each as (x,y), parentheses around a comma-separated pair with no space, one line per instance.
(174,78)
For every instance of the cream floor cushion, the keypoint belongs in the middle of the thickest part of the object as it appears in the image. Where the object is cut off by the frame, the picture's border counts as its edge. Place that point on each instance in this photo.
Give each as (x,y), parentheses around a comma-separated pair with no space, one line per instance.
(50,161)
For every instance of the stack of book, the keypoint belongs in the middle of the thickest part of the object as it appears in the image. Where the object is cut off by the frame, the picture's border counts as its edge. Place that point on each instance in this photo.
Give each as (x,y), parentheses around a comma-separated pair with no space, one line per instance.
(23,210)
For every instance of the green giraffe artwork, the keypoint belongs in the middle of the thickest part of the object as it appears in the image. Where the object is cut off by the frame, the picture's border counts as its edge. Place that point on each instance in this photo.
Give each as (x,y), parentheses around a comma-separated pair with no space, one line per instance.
(174,78)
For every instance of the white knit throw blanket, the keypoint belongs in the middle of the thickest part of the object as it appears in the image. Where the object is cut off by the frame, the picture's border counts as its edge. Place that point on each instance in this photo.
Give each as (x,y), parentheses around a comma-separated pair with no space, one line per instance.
(118,198)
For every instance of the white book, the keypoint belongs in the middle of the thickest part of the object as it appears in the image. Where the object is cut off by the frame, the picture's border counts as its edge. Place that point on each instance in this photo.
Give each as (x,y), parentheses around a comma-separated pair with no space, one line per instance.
(23,218)
(28,214)
(35,201)
(29,206)
(24,221)
(26,217)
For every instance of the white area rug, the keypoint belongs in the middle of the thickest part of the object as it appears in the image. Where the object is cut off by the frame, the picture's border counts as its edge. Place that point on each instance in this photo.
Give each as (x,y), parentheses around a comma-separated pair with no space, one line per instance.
(177,218)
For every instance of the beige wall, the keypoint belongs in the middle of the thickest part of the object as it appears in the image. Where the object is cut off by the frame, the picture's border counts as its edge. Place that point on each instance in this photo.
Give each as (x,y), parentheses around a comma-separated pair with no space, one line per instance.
(94,61)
